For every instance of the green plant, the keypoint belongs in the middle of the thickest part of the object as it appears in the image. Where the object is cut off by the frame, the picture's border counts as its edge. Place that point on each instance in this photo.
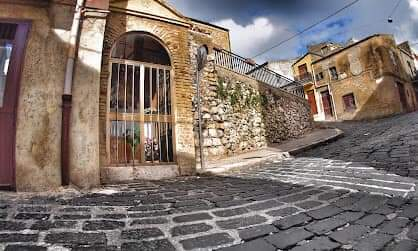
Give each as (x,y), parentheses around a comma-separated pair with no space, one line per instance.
(221,91)
(134,140)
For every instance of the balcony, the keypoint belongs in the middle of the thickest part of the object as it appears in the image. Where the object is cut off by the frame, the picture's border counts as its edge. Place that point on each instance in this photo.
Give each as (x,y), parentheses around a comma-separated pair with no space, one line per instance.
(304,78)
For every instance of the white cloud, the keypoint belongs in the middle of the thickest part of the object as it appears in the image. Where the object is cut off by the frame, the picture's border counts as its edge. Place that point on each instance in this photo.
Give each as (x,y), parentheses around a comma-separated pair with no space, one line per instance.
(413,5)
(248,40)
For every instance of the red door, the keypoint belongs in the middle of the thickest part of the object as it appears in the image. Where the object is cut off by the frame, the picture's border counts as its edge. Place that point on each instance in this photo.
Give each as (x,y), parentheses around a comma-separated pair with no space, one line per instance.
(312,102)
(326,103)
(12,46)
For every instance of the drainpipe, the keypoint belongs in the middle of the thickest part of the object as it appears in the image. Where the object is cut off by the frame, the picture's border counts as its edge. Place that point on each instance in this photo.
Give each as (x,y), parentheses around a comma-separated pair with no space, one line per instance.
(67,96)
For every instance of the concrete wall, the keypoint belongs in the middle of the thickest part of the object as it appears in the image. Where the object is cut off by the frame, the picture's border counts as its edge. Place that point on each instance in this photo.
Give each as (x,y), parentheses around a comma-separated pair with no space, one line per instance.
(39,110)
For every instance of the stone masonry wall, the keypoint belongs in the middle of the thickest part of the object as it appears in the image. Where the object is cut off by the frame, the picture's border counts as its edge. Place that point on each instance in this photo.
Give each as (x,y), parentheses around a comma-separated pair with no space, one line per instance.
(241,114)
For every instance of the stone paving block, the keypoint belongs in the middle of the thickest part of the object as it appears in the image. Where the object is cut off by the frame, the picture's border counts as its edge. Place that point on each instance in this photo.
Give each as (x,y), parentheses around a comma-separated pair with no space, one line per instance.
(324,212)
(288,238)
(265,205)
(232,203)
(350,216)
(76,238)
(404,245)
(294,198)
(394,226)
(283,212)
(325,226)
(72,217)
(189,203)
(160,245)
(373,242)
(148,214)
(112,216)
(190,229)
(145,208)
(371,220)
(292,221)
(384,210)
(369,203)
(328,196)
(207,241)
(240,222)
(12,226)
(396,201)
(309,204)
(256,232)
(150,221)
(46,225)
(349,234)
(413,233)
(15,237)
(143,233)
(319,243)
(31,216)
(409,211)
(75,209)
(259,245)
(102,225)
(346,202)
(231,212)
(24,248)
(192,217)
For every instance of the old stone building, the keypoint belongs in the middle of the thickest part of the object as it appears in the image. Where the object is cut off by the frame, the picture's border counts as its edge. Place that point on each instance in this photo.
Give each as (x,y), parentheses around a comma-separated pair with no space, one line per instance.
(96,91)
(367,79)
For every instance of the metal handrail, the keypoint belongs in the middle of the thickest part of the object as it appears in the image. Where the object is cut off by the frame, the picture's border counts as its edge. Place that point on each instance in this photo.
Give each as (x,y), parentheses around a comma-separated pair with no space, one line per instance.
(261,73)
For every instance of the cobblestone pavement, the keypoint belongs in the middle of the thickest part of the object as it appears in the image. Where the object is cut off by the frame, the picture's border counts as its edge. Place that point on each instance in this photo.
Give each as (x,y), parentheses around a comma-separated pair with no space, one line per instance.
(344,196)
(209,213)
(389,144)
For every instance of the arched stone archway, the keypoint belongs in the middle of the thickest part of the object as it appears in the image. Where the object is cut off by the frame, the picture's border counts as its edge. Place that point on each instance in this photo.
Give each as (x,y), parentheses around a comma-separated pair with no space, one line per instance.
(140,122)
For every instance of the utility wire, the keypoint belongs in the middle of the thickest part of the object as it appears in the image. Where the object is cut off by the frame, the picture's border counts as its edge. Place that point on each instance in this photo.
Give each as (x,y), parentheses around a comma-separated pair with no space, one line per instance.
(306,29)
(395,8)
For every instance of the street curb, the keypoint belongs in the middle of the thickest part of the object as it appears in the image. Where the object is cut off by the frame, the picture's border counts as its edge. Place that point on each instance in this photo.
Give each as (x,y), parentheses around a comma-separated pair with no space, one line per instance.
(315,144)
(278,155)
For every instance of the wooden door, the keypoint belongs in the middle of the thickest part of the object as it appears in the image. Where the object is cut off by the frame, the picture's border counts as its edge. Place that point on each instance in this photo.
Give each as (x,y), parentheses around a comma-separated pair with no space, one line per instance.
(326,103)
(402,96)
(312,102)
(12,46)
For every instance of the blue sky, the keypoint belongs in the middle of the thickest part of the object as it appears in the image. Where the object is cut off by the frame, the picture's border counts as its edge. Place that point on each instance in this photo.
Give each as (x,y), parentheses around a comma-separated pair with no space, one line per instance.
(257,25)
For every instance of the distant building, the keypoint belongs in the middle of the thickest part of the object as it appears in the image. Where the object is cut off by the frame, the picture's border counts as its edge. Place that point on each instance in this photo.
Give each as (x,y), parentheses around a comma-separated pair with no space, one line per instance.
(283,67)
(367,79)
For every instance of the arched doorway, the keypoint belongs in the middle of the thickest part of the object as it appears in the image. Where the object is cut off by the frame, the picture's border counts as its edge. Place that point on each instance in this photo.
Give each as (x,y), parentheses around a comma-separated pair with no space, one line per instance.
(140,120)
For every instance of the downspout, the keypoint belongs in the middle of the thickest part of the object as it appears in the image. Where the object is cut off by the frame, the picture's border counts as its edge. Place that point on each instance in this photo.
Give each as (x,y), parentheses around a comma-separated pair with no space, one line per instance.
(67,96)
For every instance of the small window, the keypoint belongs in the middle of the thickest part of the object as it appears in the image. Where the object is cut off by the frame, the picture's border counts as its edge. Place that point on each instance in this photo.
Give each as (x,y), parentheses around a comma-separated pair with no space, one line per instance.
(320,76)
(333,72)
(349,102)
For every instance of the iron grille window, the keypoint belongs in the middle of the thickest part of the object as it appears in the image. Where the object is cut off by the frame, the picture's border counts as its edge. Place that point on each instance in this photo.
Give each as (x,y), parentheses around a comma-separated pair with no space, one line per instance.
(140,118)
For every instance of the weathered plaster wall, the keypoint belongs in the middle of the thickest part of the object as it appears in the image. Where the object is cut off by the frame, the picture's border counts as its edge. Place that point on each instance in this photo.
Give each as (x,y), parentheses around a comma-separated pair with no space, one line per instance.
(370,71)
(84,130)
(176,39)
(39,109)
(241,114)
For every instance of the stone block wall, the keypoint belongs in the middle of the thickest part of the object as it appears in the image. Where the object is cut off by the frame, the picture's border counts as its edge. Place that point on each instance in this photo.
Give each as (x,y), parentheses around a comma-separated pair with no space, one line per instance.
(241,114)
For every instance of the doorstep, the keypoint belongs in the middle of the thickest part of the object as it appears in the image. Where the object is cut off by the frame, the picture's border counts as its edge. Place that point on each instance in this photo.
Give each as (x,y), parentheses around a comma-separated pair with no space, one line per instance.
(111,175)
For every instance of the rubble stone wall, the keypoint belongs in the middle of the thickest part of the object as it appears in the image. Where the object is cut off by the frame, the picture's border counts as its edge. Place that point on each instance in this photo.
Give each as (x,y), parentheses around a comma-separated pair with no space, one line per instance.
(241,114)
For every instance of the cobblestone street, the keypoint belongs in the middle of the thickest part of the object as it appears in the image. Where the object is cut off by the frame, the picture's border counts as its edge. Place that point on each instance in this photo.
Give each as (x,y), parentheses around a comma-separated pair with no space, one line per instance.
(389,144)
(345,195)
